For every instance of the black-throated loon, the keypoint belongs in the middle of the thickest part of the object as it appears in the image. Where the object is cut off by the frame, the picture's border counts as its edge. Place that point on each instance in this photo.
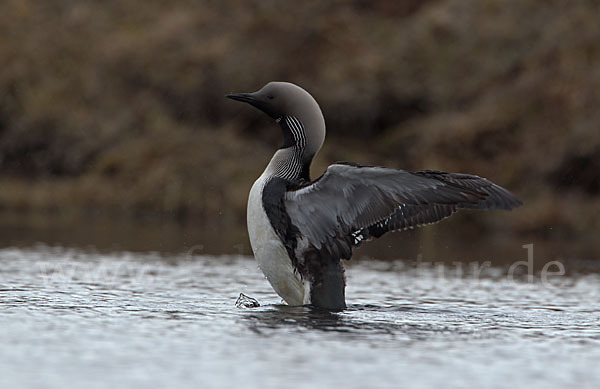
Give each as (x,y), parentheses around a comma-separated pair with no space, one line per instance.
(300,230)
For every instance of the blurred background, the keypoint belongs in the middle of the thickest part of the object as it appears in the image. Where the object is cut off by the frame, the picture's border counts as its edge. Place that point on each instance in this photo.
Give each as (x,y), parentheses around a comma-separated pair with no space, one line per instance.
(115,133)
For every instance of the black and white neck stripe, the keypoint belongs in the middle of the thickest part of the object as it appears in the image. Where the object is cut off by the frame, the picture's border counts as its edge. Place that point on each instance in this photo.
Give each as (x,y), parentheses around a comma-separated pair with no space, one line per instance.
(297,129)
(291,166)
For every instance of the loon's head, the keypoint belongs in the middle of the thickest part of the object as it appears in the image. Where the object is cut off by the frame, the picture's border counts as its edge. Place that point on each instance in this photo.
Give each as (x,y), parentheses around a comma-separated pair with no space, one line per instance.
(296,111)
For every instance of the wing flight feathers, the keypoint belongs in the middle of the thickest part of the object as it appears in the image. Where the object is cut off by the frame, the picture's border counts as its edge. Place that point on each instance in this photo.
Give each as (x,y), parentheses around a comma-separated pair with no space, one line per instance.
(350,203)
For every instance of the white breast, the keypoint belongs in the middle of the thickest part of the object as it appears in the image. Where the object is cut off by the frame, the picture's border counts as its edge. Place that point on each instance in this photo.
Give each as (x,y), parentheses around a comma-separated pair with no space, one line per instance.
(270,252)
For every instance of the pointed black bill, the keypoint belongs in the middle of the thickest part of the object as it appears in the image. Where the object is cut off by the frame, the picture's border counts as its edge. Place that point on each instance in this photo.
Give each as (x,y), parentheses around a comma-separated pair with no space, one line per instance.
(243,97)
(255,100)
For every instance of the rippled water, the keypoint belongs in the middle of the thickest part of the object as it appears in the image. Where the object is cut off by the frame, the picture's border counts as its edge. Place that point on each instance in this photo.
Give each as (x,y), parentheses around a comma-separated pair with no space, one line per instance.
(75,319)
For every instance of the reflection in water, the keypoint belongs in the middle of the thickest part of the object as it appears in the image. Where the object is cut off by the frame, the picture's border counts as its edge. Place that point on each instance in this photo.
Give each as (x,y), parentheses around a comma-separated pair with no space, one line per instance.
(308,318)
(69,318)
(292,318)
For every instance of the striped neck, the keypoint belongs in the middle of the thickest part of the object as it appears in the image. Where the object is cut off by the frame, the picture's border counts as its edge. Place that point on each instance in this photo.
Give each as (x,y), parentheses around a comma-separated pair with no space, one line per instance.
(291,162)
(294,133)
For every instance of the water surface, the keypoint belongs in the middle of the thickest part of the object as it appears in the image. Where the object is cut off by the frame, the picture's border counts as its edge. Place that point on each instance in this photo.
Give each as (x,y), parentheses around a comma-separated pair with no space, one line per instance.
(70,318)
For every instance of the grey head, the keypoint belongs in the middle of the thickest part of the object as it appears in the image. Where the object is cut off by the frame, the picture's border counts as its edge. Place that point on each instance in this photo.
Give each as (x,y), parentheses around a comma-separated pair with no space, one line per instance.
(296,111)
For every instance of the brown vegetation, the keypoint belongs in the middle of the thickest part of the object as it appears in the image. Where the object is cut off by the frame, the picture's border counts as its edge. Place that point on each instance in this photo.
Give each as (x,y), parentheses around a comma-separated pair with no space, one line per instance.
(118,105)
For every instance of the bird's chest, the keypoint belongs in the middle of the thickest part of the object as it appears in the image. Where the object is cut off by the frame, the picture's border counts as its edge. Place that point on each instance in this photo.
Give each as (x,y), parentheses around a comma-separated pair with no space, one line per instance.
(269,250)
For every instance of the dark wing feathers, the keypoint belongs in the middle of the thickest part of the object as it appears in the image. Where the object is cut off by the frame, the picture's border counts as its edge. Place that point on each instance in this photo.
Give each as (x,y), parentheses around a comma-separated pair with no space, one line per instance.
(496,196)
(351,203)
(355,197)
(410,216)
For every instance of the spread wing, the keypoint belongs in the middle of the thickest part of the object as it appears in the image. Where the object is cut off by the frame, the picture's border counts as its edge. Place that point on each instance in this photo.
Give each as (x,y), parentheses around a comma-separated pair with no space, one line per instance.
(351,203)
